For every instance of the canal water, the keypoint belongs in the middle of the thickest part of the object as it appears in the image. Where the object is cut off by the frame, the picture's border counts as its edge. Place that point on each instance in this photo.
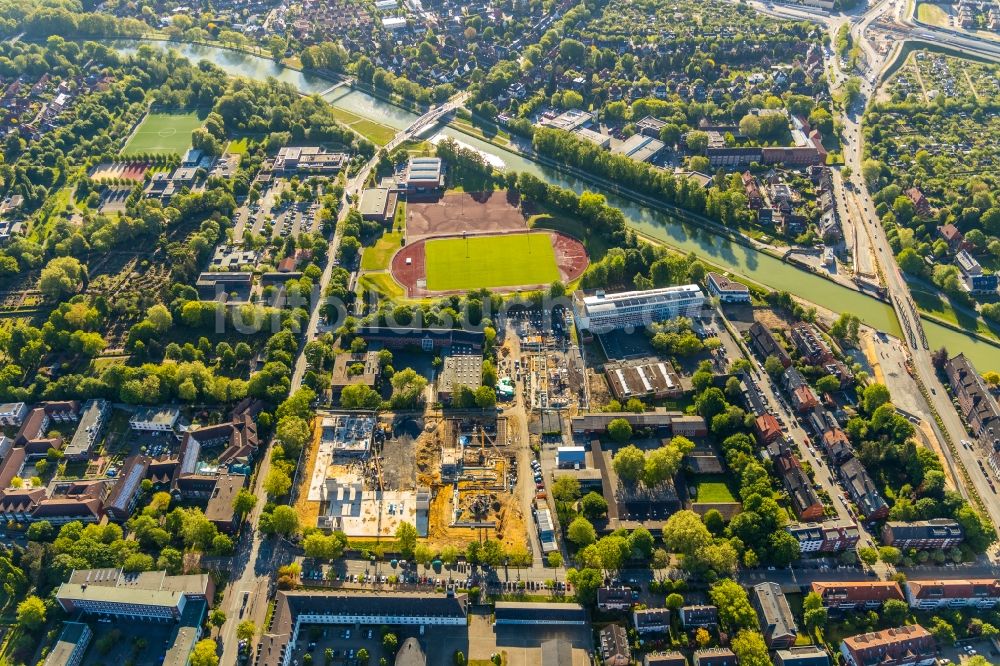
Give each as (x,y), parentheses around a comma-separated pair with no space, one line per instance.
(734,257)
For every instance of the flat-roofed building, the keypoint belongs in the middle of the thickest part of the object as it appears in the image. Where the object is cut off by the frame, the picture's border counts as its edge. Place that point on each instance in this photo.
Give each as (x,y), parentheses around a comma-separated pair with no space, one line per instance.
(967,593)
(13,413)
(147,596)
(460,370)
(802,655)
(650,126)
(777,622)
(639,147)
(308,159)
(225,286)
(603,313)
(667,422)
(424,174)
(642,378)
(92,421)
(911,645)
(125,494)
(518,612)
(155,419)
(922,534)
(294,609)
(354,368)
(727,290)
(377,204)
(71,646)
(602,140)
(829,537)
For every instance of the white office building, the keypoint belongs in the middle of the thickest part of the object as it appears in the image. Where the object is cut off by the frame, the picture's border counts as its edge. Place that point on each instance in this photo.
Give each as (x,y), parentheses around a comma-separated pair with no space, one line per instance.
(602,313)
(155,419)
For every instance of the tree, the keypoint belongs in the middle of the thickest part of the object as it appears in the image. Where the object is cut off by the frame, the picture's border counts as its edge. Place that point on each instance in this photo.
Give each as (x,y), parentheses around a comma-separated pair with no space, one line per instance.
(586,581)
(581,532)
(873,397)
(246,630)
(555,559)
(629,464)
(160,318)
(674,601)
(750,649)
(684,533)
(407,389)
(277,483)
(868,555)
(31,613)
(565,488)
(735,611)
(620,430)
(594,506)
(813,612)
(773,366)
(284,520)
(942,631)
(702,637)
(894,612)
(390,642)
(827,384)
(294,433)
(204,654)
(910,261)
(406,539)
(459,658)
(244,502)
(61,277)
(360,396)
(890,555)
(217,618)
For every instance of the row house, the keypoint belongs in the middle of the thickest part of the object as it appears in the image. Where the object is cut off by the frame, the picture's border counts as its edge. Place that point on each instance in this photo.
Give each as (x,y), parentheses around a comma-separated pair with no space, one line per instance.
(802,396)
(911,645)
(651,620)
(805,500)
(967,593)
(614,598)
(922,534)
(853,596)
(766,345)
(975,401)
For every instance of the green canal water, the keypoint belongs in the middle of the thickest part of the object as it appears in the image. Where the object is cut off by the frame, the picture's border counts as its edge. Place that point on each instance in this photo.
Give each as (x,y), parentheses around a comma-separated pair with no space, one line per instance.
(728,255)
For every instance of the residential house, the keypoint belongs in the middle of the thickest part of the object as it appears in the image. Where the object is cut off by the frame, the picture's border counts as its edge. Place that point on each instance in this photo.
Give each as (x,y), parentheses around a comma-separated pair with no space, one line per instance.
(811,346)
(920,203)
(13,413)
(651,620)
(765,344)
(699,616)
(777,622)
(805,500)
(975,401)
(767,428)
(802,396)
(614,598)
(829,537)
(862,490)
(911,645)
(953,237)
(850,596)
(922,534)
(672,658)
(155,419)
(614,645)
(975,280)
(715,657)
(966,593)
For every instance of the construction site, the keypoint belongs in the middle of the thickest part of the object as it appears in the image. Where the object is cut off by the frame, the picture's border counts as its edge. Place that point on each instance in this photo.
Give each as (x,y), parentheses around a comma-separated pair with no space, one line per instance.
(471,466)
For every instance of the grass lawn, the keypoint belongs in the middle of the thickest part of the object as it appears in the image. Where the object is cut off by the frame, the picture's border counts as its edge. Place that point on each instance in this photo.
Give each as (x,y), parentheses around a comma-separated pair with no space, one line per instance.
(238,146)
(932,14)
(595,245)
(939,307)
(376,257)
(383,284)
(377,133)
(165,133)
(712,489)
(490,261)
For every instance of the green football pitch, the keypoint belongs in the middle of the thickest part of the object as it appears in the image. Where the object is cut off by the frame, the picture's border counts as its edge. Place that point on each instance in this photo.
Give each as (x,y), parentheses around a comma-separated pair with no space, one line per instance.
(166,133)
(475,262)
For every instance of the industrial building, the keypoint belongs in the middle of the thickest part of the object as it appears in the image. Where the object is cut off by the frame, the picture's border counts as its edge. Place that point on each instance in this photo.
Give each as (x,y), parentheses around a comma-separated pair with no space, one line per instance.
(642,378)
(147,596)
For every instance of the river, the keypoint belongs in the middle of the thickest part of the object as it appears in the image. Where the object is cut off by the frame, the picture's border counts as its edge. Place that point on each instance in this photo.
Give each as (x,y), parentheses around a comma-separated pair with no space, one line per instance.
(731,256)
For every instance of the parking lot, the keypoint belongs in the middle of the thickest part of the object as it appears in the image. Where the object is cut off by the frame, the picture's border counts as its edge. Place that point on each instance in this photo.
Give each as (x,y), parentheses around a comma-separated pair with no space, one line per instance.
(439,643)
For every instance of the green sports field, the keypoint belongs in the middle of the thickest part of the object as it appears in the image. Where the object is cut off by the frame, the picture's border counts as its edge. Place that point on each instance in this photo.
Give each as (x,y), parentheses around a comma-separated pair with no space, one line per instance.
(490,261)
(165,133)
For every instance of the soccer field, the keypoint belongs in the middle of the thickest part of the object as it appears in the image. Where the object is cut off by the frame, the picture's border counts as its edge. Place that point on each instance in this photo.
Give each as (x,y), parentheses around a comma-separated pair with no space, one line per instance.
(490,261)
(167,133)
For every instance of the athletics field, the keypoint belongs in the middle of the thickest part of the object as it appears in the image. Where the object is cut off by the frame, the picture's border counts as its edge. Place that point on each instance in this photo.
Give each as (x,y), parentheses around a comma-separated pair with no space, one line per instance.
(490,261)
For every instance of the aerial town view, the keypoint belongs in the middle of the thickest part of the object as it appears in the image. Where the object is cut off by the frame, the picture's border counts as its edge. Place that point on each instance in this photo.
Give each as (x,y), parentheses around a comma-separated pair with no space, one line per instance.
(499,332)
